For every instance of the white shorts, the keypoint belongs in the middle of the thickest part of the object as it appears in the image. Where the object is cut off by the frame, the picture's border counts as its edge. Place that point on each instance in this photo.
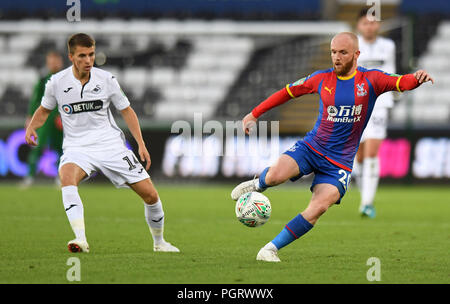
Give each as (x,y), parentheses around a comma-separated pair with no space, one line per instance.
(119,165)
(377,126)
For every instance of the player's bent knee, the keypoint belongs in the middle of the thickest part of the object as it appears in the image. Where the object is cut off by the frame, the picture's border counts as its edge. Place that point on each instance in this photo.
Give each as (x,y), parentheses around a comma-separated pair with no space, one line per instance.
(149,195)
(275,177)
(146,191)
(151,198)
(71,175)
(314,211)
(68,180)
(319,208)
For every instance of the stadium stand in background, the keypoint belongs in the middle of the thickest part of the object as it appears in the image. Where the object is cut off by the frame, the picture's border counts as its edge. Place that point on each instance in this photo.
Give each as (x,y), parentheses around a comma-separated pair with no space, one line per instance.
(224,71)
(173,71)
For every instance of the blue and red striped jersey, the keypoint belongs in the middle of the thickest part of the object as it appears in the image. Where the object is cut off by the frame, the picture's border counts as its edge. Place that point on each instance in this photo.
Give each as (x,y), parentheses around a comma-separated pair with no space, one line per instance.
(346,104)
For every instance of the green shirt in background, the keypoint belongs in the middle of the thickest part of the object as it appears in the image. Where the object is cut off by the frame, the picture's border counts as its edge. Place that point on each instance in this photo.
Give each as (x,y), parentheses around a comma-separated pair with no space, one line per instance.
(35,102)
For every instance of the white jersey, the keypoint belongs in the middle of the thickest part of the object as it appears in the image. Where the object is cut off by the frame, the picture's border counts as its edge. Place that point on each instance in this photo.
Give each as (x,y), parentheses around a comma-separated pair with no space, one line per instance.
(379,55)
(85,110)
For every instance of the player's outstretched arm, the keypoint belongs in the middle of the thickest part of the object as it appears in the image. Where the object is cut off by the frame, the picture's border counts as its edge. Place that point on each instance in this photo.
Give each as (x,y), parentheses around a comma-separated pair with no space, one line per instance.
(132,122)
(249,122)
(38,119)
(306,85)
(384,82)
(411,81)
(276,99)
(422,76)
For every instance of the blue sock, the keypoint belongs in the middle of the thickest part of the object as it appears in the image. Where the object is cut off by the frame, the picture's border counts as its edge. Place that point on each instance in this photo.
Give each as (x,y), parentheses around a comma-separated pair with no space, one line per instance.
(297,227)
(262,179)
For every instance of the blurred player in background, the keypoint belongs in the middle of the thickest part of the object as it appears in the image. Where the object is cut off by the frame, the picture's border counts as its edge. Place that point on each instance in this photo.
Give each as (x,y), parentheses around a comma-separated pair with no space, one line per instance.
(50,134)
(347,97)
(93,142)
(376,53)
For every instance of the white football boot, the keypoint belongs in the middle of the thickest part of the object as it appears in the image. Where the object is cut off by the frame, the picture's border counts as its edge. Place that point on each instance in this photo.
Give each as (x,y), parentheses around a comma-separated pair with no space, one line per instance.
(244,187)
(165,247)
(78,246)
(268,254)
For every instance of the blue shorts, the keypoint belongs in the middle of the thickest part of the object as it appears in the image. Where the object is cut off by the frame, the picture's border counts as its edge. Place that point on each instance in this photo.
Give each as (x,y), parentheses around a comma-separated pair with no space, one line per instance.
(325,172)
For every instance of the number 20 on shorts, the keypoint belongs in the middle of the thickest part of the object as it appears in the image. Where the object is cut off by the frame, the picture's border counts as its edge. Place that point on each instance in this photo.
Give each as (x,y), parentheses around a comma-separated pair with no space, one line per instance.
(345,178)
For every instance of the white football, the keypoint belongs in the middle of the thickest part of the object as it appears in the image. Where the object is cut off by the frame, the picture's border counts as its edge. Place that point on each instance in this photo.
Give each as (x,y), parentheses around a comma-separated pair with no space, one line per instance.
(253,209)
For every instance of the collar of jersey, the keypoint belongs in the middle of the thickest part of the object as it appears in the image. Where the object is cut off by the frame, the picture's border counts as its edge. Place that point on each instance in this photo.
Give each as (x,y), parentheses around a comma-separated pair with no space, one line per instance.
(347,77)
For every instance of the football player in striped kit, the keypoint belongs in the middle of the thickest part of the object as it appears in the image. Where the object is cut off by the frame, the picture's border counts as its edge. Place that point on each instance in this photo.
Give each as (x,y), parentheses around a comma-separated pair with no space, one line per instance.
(347,98)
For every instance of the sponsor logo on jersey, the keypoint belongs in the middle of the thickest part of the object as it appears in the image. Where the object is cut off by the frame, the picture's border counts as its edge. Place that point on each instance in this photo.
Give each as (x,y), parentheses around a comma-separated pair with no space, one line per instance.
(329,90)
(83,106)
(346,114)
(68,89)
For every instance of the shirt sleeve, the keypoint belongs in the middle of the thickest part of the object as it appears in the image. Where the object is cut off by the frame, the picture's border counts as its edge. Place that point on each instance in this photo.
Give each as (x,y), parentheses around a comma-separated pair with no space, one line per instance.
(301,87)
(305,85)
(385,82)
(274,100)
(117,96)
(49,100)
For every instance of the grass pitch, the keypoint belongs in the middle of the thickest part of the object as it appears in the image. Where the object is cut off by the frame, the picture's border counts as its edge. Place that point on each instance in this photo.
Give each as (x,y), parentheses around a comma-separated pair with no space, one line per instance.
(410,236)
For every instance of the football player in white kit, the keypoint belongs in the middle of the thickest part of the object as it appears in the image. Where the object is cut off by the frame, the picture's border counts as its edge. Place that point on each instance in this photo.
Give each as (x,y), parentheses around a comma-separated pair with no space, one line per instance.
(376,53)
(92,142)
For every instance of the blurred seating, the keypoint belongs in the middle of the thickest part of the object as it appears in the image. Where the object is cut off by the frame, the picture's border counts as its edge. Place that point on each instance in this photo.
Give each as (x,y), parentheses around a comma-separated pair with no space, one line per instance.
(431,103)
(165,76)
(222,75)
(277,62)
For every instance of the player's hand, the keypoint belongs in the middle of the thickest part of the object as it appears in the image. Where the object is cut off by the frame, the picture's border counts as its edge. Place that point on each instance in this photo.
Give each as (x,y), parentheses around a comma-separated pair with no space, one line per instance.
(145,156)
(31,137)
(58,123)
(422,76)
(27,122)
(249,123)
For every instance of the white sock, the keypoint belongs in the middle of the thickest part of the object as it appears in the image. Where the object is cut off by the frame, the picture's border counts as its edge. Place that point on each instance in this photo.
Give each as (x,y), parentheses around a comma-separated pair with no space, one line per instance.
(356,173)
(74,210)
(369,181)
(154,215)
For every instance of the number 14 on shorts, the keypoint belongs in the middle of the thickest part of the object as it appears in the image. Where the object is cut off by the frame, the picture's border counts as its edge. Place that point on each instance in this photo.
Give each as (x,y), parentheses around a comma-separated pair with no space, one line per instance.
(130,164)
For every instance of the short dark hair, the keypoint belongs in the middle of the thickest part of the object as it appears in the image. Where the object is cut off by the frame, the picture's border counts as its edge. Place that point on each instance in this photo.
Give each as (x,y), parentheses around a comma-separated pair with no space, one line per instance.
(79,39)
(362,13)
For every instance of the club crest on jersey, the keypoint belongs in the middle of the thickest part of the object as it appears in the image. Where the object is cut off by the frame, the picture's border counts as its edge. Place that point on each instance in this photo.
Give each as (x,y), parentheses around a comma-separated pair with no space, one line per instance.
(97,89)
(83,106)
(361,91)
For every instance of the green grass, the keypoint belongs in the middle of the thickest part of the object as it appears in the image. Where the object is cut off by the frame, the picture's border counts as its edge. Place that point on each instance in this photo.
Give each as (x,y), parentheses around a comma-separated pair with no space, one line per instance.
(410,236)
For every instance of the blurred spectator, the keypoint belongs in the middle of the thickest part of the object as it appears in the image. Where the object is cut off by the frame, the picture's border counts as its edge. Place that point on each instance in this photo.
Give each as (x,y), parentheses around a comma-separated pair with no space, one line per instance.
(50,134)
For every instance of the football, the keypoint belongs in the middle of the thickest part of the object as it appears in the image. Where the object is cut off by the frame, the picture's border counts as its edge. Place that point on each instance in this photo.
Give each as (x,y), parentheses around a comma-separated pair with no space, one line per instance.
(253,209)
